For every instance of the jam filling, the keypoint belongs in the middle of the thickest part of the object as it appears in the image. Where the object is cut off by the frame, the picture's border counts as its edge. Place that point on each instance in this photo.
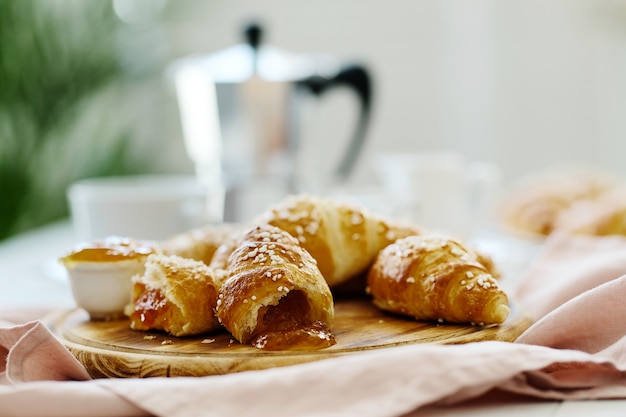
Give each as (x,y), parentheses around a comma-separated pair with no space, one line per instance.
(288,326)
(151,311)
(110,249)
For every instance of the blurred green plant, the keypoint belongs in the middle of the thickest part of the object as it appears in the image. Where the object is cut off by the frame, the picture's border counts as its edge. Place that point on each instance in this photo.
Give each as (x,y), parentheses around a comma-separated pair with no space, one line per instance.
(61,116)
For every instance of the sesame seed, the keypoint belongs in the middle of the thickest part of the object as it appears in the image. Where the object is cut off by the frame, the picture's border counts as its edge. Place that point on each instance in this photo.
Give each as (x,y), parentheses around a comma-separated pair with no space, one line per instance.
(253,297)
(313,228)
(410,280)
(207,340)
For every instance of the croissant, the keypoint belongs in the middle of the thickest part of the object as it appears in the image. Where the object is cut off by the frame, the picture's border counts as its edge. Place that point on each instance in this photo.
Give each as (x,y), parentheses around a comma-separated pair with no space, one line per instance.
(344,239)
(174,294)
(274,296)
(436,278)
(534,204)
(602,216)
(201,243)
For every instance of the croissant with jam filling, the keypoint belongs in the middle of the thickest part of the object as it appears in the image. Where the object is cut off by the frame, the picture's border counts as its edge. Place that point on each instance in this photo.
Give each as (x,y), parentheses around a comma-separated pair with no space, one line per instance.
(274,296)
(174,294)
(436,278)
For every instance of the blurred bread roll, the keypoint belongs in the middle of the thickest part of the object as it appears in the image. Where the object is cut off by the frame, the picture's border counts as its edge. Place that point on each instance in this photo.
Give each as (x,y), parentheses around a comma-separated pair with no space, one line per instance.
(534,204)
(602,216)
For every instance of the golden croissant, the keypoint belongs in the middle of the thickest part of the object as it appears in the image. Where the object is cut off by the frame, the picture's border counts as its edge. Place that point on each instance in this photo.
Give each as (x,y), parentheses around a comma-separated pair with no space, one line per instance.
(434,277)
(201,243)
(174,294)
(344,239)
(274,296)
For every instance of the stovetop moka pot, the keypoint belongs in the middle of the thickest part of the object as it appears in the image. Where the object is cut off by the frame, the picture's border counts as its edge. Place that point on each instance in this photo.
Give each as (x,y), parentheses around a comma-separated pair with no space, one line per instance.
(241,111)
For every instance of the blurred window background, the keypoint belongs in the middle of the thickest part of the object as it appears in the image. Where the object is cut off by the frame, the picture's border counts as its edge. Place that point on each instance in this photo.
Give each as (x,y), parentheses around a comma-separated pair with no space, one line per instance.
(525,84)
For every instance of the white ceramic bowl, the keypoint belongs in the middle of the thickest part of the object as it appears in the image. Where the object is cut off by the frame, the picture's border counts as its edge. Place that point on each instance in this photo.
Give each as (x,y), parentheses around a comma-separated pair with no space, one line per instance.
(143,206)
(100,274)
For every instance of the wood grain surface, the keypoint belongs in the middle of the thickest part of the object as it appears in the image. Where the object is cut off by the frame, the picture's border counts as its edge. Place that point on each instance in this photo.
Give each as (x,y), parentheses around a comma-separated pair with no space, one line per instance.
(111,349)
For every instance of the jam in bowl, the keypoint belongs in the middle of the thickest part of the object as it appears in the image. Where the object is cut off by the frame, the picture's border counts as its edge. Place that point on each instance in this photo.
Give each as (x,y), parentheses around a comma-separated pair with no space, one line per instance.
(100,274)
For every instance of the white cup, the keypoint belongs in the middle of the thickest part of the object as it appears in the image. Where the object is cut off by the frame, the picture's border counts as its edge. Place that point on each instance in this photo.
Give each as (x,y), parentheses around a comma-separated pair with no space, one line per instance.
(150,207)
(441,190)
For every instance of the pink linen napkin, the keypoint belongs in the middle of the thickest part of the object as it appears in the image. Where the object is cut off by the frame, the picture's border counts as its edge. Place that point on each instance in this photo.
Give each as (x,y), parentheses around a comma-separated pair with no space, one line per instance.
(33,354)
(576,350)
(568,266)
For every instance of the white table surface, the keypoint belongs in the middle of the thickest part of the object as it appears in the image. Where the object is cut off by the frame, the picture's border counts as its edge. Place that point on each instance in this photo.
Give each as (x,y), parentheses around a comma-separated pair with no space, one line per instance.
(30,277)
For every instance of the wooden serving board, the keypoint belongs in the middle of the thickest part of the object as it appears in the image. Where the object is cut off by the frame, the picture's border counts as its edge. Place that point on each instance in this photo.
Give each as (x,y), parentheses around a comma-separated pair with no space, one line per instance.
(112,349)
